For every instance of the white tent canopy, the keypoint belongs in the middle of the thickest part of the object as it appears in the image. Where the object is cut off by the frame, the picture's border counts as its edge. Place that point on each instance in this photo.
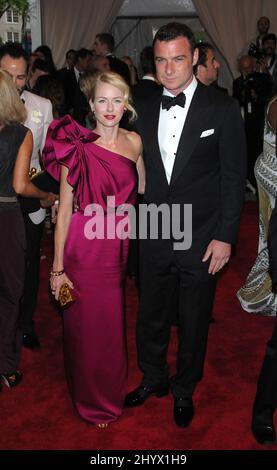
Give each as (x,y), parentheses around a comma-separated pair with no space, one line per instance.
(231,24)
(137,21)
(135,8)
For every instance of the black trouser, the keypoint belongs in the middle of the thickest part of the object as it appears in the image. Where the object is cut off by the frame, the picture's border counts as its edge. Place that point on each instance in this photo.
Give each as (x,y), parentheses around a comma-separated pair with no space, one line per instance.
(162,279)
(266,395)
(30,294)
(12,271)
(254,142)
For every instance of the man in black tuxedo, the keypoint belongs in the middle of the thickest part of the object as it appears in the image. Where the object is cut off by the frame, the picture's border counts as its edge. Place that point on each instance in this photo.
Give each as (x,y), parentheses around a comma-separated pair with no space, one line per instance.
(141,92)
(104,45)
(74,99)
(252,90)
(194,151)
(148,84)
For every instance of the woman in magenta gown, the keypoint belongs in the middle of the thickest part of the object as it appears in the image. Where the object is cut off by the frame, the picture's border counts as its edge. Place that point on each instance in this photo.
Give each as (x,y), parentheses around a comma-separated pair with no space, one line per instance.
(91,167)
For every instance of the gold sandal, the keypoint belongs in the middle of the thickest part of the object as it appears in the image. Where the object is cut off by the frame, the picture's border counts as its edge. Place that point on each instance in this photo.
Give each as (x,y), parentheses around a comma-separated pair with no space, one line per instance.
(102,425)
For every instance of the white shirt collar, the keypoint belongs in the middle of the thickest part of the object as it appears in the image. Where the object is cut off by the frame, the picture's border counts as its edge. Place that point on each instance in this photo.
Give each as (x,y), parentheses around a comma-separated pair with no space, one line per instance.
(148,77)
(77,74)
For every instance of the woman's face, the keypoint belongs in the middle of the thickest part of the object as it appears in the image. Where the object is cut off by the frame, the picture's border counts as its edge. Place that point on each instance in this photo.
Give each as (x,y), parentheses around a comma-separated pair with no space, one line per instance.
(108,104)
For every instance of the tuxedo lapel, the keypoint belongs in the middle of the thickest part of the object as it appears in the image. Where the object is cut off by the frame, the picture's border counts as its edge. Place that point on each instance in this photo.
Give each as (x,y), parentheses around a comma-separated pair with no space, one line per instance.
(191,130)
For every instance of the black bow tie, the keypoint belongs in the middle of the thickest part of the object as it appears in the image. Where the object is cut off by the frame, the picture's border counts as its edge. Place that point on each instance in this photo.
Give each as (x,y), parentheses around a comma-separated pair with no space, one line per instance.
(168,101)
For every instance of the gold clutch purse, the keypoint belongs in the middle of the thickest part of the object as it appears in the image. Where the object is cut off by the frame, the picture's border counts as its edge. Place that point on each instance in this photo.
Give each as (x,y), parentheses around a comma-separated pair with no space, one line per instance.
(66,296)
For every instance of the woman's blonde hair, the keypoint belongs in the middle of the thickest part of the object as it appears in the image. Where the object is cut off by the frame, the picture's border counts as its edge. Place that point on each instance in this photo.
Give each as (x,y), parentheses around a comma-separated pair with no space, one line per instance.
(117,81)
(11,107)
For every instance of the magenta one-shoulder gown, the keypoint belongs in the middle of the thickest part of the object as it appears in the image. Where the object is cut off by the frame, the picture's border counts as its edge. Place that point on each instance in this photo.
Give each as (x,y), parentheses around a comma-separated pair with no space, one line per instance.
(94,334)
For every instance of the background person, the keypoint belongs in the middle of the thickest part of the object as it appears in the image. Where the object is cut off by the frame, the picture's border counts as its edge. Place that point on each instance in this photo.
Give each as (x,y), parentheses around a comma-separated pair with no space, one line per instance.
(15,149)
(14,60)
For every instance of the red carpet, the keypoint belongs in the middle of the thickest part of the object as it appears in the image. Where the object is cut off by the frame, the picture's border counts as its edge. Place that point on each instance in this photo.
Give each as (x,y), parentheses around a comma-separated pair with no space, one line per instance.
(38,414)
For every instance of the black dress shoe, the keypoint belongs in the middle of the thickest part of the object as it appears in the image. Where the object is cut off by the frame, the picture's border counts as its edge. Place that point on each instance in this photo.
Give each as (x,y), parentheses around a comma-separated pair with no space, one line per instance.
(31,341)
(264,434)
(138,396)
(13,379)
(183,411)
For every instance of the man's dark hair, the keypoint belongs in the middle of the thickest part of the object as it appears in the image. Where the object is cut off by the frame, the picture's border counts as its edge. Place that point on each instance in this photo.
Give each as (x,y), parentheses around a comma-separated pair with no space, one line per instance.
(70,51)
(269,37)
(83,53)
(172,31)
(147,60)
(106,38)
(40,64)
(203,48)
(14,50)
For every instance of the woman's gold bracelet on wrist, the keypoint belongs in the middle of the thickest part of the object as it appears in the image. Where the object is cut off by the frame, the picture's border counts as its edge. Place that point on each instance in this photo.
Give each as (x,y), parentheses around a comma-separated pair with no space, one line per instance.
(56,273)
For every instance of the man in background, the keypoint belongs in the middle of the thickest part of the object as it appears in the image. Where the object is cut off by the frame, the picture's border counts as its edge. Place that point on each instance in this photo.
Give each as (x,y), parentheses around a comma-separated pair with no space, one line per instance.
(252,90)
(207,67)
(104,45)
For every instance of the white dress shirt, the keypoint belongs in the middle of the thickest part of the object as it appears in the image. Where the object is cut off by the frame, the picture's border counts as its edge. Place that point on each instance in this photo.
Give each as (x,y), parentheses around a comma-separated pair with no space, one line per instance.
(77,74)
(171,124)
(39,116)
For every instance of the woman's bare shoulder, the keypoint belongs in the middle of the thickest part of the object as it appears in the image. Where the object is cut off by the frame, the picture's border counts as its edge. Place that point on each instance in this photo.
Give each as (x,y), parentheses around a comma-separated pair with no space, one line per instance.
(133,138)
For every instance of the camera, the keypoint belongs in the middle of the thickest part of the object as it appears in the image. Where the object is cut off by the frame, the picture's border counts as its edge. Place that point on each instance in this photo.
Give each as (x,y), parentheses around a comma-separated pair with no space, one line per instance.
(255,51)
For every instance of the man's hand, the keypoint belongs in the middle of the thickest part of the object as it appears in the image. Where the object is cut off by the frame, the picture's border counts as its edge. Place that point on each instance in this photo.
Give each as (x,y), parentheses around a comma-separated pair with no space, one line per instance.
(220,253)
(263,66)
(48,200)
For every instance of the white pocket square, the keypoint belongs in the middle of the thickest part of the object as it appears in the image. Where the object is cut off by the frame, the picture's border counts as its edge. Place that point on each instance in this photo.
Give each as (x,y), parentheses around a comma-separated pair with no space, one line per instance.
(207,133)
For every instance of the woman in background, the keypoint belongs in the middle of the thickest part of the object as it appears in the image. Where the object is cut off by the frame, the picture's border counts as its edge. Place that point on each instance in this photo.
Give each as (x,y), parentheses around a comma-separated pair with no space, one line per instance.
(256,295)
(16,143)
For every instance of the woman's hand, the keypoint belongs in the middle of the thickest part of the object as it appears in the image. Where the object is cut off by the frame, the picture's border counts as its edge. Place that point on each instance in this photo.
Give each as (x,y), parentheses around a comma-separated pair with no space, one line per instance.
(57,281)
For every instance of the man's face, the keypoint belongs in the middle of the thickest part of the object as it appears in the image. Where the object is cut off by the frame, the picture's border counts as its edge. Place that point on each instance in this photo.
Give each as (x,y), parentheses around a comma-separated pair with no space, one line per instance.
(246,66)
(211,68)
(99,47)
(269,47)
(17,69)
(263,25)
(84,64)
(102,64)
(71,60)
(174,63)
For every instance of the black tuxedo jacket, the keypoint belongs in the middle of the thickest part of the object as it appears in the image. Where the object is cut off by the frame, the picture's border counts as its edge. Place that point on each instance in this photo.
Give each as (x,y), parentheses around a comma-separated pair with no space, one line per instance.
(261,83)
(209,171)
(71,87)
(118,66)
(144,90)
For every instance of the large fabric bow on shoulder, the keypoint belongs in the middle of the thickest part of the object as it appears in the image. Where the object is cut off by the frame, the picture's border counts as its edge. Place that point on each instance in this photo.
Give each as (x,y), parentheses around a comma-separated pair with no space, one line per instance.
(65,145)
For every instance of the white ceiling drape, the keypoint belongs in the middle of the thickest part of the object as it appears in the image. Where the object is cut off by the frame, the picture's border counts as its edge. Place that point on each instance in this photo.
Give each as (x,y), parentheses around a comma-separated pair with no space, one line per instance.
(232,24)
(74,23)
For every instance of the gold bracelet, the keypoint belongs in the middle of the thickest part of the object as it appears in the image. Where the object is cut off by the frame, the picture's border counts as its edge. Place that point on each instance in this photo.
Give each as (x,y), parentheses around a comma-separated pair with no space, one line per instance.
(56,273)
